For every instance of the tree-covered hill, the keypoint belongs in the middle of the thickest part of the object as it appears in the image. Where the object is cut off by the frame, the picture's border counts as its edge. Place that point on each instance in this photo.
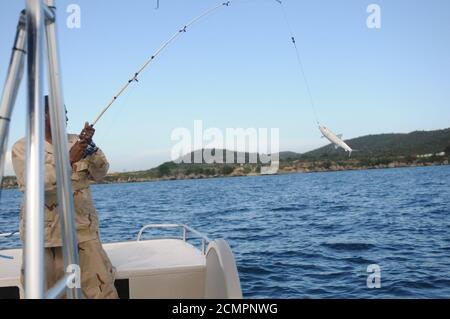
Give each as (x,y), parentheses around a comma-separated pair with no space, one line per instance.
(389,145)
(372,151)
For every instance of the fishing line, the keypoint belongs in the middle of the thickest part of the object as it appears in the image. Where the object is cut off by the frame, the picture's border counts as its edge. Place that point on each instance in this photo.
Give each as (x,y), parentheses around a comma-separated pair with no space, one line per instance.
(180,32)
(184,29)
(301,68)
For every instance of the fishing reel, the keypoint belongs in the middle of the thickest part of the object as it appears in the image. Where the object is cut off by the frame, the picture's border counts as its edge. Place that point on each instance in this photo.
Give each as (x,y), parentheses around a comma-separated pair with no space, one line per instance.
(90,149)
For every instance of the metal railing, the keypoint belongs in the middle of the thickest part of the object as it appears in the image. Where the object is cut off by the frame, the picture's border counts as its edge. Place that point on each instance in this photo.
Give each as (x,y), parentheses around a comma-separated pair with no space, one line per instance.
(184,233)
(37,21)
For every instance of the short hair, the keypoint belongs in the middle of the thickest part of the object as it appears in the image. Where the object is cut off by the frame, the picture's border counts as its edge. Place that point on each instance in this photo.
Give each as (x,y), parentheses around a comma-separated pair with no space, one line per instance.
(47,104)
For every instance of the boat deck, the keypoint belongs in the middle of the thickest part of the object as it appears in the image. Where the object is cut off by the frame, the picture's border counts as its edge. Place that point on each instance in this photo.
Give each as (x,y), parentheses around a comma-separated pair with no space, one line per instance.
(147,261)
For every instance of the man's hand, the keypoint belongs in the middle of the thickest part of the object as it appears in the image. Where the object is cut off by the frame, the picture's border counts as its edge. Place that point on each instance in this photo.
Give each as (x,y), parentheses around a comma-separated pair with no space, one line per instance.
(87,133)
(84,146)
(77,151)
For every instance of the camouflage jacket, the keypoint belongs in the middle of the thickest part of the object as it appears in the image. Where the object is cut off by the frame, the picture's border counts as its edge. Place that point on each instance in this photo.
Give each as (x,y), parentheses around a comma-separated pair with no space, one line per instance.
(91,168)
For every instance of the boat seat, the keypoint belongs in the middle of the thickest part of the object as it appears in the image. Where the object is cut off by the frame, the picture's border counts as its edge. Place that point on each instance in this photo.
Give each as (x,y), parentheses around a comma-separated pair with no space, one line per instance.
(159,268)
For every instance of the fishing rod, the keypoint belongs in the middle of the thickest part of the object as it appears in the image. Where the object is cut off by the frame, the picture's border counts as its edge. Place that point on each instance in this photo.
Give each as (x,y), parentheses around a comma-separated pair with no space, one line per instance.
(134,78)
(299,61)
(183,30)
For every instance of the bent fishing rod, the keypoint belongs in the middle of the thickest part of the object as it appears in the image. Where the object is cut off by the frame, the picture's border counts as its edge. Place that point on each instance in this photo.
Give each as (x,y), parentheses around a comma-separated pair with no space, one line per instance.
(184,29)
(178,34)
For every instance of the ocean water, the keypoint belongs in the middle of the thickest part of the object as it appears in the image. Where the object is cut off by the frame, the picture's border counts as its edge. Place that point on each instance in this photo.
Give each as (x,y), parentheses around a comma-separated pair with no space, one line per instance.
(300,235)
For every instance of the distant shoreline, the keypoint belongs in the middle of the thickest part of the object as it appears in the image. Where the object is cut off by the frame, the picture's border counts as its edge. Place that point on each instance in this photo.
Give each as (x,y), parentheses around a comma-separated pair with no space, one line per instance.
(9,182)
(280,172)
(380,151)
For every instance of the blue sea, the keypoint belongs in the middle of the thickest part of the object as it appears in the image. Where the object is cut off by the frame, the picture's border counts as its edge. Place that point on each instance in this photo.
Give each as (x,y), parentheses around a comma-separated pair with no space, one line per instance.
(300,235)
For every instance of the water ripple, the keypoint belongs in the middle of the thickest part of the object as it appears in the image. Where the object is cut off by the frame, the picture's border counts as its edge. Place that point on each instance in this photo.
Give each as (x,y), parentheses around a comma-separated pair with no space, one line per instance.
(299,235)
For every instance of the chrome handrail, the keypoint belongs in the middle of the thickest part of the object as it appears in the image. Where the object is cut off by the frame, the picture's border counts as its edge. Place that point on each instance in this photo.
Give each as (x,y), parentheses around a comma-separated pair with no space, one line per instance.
(37,21)
(34,279)
(64,191)
(185,229)
(60,288)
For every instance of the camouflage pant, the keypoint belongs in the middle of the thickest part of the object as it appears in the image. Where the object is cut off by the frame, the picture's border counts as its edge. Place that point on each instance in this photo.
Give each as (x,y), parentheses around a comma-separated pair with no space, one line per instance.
(97,272)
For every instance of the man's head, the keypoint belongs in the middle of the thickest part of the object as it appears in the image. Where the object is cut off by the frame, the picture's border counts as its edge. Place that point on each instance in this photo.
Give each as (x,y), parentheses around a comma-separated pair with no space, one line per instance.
(47,112)
(48,130)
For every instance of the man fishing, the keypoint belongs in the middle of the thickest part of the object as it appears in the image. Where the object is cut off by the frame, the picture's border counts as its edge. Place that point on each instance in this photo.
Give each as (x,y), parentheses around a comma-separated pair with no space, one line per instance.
(88,163)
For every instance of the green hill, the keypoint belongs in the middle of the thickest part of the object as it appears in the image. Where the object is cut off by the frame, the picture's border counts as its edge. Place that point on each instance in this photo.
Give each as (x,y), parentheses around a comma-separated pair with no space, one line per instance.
(373,151)
(389,145)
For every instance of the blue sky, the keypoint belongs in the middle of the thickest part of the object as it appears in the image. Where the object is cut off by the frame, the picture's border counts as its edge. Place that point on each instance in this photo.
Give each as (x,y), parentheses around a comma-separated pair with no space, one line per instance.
(237,68)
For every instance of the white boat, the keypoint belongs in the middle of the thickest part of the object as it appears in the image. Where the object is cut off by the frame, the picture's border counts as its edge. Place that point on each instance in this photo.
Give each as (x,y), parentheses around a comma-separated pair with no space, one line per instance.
(157,268)
(163,268)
